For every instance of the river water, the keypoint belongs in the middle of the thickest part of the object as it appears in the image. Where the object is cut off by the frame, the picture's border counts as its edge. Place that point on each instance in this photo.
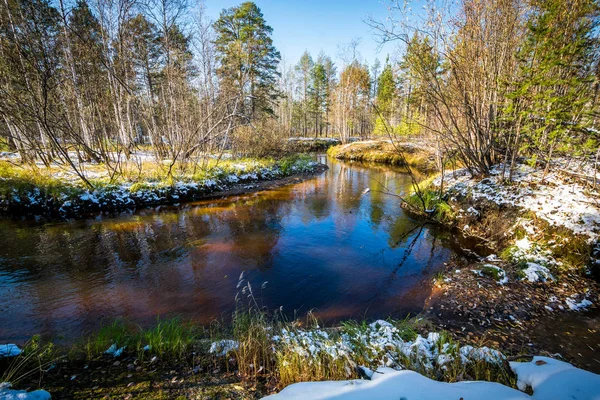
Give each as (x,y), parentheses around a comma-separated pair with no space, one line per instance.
(321,245)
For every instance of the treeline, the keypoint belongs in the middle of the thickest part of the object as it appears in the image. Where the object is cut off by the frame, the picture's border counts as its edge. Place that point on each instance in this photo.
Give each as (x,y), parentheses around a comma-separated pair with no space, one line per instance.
(95,80)
(497,80)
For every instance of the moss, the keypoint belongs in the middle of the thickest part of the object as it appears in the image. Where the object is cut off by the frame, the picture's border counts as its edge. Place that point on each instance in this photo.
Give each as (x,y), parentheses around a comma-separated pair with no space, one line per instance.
(492,272)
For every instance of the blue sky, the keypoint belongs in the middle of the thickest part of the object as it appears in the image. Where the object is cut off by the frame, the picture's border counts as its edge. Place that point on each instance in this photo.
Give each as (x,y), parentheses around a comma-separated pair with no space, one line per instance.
(315,25)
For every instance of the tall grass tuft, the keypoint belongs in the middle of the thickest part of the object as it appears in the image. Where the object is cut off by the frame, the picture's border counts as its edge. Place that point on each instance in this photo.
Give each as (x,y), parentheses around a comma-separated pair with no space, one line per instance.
(170,338)
(116,333)
(252,330)
(36,358)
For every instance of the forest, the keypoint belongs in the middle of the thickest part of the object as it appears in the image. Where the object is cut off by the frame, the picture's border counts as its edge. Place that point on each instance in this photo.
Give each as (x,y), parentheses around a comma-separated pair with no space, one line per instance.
(94,81)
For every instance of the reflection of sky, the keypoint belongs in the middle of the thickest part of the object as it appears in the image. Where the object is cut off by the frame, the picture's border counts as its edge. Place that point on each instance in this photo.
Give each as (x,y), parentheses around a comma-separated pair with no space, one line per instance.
(322,245)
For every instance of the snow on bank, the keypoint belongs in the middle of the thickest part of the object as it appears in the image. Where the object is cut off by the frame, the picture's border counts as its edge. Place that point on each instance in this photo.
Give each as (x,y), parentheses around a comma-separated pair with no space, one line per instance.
(6,393)
(381,344)
(558,201)
(222,347)
(574,305)
(390,384)
(550,380)
(74,199)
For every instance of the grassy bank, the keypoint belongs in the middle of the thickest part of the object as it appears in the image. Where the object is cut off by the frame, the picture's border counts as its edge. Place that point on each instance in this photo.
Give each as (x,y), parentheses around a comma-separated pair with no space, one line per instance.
(50,192)
(384,152)
(256,354)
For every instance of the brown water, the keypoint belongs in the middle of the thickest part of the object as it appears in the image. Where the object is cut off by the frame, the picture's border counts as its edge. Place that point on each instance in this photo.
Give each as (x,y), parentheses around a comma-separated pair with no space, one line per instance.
(319,245)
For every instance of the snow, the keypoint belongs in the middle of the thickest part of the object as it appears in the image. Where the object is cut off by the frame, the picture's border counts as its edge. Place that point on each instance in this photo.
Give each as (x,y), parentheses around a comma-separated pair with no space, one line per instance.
(6,393)
(222,347)
(550,380)
(394,385)
(380,344)
(537,273)
(577,306)
(9,350)
(115,351)
(536,259)
(558,200)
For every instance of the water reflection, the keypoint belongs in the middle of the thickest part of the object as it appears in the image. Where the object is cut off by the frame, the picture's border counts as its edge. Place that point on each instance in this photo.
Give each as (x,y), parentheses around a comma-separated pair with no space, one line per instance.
(320,244)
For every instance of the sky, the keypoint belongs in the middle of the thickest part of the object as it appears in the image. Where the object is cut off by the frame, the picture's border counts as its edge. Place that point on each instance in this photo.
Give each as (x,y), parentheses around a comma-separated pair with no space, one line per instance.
(316,25)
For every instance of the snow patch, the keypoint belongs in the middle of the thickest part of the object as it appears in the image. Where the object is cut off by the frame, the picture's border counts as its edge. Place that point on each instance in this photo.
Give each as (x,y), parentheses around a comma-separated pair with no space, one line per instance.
(6,393)
(578,306)
(9,350)
(552,379)
(394,385)
(222,347)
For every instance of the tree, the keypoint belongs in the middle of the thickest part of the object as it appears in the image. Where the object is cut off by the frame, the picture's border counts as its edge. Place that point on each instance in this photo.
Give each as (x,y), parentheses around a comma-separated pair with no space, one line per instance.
(303,72)
(552,95)
(352,98)
(330,79)
(318,95)
(248,59)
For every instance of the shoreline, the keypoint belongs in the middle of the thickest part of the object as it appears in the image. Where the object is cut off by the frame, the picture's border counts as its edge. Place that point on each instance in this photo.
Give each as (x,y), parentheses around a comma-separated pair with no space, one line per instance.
(536,287)
(78,203)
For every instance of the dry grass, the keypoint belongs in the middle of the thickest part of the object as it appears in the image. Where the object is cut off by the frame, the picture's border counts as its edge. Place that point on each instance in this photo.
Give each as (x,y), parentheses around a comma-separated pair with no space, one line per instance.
(383,152)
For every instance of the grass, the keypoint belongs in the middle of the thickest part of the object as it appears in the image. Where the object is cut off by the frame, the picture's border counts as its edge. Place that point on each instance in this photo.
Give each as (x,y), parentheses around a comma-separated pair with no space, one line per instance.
(168,339)
(25,179)
(270,348)
(4,144)
(443,212)
(493,273)
(382,152)
(35,357)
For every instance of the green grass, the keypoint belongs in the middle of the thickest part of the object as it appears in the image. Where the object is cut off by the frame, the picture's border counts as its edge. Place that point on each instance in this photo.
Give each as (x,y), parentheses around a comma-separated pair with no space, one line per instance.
(4,144)
(168,339)
(171,338)
(35,357)
(493,273)
(21,180)
(117,333)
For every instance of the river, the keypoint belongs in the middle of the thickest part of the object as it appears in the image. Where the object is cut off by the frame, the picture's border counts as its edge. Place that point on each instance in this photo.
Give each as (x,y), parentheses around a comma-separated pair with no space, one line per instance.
(322,245)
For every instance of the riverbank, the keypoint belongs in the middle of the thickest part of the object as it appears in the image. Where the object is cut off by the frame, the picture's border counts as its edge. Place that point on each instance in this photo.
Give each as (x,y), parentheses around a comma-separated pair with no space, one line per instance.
(537,287)
(51,194)
(383,151)
(533,283)
(256,355)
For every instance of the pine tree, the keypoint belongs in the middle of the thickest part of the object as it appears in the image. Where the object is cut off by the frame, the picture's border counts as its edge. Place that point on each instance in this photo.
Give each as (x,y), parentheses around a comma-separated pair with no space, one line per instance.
(553,91)
(248,59)
(318,95)
(303,70)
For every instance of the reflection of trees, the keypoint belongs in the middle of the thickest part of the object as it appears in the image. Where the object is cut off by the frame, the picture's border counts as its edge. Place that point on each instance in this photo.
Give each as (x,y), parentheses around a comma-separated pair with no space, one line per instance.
(188,260)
